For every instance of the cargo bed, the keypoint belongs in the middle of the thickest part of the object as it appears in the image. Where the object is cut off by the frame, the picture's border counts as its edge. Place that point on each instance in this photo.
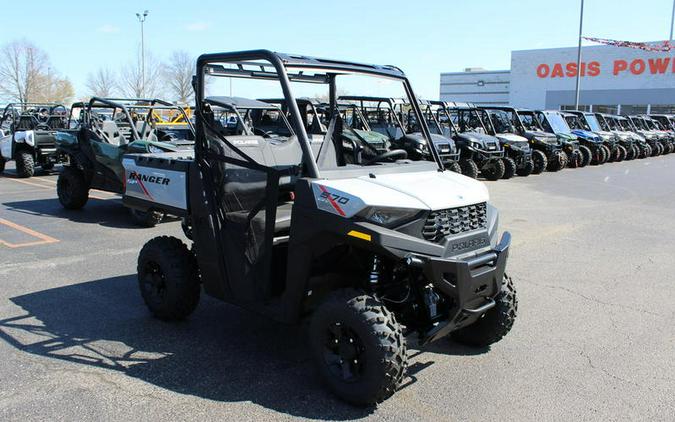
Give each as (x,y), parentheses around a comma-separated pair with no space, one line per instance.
(157,182)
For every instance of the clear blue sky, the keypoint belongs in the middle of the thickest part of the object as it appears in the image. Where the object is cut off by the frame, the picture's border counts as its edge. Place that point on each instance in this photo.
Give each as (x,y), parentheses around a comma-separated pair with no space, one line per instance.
(424,38)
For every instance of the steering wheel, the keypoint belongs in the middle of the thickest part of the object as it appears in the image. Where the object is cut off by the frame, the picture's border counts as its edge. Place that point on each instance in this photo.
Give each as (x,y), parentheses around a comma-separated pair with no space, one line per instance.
(400,153)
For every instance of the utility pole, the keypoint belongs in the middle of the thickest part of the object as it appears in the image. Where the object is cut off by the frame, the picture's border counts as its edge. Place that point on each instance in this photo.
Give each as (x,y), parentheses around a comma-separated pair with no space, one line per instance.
(141,19)
(581,24)
(672,21)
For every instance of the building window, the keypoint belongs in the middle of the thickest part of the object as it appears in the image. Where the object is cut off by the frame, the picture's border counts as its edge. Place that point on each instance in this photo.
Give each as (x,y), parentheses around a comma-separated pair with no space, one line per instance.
(582,107)
(630,109)
(662,109)
(609,109)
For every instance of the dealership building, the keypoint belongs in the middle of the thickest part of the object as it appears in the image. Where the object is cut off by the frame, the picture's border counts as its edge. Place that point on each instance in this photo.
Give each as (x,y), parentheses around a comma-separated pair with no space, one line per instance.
(613,80)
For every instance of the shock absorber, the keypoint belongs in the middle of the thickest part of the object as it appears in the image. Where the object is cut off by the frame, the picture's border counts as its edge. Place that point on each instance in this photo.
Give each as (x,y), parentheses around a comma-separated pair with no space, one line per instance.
(374,276)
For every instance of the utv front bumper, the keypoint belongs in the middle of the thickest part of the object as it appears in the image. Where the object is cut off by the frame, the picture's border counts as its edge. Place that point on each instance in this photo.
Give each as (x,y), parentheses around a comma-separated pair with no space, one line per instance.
(470,283)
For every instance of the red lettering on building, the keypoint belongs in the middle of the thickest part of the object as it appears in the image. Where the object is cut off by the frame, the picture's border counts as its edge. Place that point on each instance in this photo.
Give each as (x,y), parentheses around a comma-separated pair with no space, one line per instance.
(593,68)
(637,66)
(619,66)
(542,70)
(557,71)
(658,65)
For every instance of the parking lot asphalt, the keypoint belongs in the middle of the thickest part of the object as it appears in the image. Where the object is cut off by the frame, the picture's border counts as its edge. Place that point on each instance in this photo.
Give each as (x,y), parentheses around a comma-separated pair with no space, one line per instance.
(592,258)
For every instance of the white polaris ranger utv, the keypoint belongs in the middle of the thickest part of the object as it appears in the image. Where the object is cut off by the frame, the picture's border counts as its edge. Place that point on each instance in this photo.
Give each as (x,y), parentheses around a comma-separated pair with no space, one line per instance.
(373,253)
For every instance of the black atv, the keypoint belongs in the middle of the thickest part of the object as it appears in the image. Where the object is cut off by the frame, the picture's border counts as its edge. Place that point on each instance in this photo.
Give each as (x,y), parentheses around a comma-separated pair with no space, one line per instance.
(478,149)
(27,136)
(372,255)
(548,149)
(518,159)
(568,124)
(630,141)
(587,121)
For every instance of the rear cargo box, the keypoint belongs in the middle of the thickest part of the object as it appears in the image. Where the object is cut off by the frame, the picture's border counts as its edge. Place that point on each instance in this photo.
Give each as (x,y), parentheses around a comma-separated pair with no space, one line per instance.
(157,181)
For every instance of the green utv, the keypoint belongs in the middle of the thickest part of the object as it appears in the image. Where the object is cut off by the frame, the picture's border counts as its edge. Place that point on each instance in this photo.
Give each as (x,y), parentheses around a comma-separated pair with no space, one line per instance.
(100,132)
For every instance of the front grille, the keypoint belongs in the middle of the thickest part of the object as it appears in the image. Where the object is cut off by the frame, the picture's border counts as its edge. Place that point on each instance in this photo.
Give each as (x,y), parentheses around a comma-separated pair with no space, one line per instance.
(454,221)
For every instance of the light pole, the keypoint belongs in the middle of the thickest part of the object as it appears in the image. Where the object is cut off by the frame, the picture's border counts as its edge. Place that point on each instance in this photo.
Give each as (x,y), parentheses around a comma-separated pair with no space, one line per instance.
(141,19)
(581,24)
(672,21)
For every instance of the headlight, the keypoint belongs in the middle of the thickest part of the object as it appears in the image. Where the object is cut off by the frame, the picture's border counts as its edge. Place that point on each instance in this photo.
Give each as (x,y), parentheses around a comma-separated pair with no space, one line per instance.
(387,216)
(476,145)
(155,150)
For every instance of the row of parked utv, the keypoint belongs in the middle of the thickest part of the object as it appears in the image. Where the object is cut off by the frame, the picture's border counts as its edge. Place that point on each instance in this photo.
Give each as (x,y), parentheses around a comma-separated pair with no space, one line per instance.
(349,213)
(495,142)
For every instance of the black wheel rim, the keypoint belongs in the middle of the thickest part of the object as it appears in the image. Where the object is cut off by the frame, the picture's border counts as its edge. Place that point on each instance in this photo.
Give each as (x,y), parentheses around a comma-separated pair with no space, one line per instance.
(154,282)
(343,353)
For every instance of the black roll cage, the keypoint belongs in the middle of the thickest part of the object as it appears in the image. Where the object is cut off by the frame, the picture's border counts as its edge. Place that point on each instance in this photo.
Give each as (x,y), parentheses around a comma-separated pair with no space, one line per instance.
(124,105)
(277,68)
(16,110)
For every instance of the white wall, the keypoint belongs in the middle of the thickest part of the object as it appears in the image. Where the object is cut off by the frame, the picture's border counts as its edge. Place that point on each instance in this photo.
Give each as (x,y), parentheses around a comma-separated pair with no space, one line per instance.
(481,87)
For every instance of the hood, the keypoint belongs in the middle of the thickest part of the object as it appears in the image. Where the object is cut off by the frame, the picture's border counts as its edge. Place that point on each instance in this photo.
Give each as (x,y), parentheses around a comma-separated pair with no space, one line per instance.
(539,134)
(511,138)
(478,137)
(585,134)
(427,190)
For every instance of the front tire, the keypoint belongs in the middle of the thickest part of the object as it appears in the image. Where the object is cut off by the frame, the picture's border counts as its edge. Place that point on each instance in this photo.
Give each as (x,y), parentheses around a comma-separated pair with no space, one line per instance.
(621,153)
(527,169)
(25,165)
(493,169)
(586,155)
(168,278)
(72,188)
(455,167)
(558,162)
(494,324)
(469,168)
(540,161)
(358,347)
(510,168)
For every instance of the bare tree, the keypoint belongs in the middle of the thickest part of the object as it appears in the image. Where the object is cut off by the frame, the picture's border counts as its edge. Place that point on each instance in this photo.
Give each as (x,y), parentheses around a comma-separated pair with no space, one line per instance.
(54,89)
(178,76)
(22,70)
(132,81)
(102,82)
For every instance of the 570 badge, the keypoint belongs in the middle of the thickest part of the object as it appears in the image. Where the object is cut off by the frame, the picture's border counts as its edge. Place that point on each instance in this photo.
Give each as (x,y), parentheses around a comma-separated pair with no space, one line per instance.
(342,200)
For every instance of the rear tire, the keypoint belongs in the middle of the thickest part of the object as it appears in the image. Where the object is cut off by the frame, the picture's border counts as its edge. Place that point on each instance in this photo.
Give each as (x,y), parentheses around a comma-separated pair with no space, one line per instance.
(72,188)
(25,165)
(509,168)
(493,169)
(358,347)
(606,153)
(540,161)
(495,323)
(469,168)
(646,151)
(573,159)
(168,278)
(146,218)
(527,169)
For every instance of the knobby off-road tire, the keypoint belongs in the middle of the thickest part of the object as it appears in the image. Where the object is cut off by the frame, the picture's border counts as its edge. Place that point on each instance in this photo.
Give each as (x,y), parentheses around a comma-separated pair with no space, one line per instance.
(493,169)
(168,278)
(455,167)
(621,153)
(509,168)
(495,323)
(659,148)
(25,165)
(558,161)
(72,188)
(469,168)
(586,155)
(646,151)
(358,347)
(146,218)
(527,169)
(573,159)
(540,161)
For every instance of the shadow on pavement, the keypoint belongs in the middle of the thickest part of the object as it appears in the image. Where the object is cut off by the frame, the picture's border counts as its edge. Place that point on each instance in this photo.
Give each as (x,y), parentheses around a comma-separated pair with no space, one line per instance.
(221,353)
(107,213)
